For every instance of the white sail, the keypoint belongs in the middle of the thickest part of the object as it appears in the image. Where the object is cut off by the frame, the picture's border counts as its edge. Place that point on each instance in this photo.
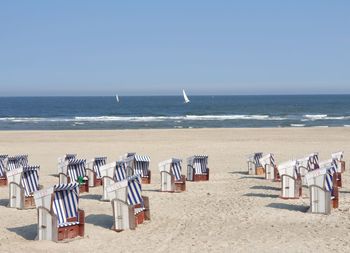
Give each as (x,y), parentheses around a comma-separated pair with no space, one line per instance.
(185,97)
(117,98)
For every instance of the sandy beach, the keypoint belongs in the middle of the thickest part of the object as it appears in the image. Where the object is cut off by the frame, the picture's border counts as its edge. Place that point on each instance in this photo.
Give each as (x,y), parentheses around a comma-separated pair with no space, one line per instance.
(233,212)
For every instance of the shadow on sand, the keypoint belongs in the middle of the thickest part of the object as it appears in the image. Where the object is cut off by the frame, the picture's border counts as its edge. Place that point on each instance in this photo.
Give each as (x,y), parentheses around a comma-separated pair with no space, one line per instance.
(263,187)
(289,207)
(4,202)
(101,220)
(261,195)
(91,196)
(252,177)
(239,172)
(27,232)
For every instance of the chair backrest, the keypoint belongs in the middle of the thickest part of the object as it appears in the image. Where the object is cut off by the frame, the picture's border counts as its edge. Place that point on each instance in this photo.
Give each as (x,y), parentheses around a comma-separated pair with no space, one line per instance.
(97,163)
(288,168)
(267,159)
(2,165)
(120,171)
(199,163)
(14,162)
(76,168)
(65,202)
(255,158)
(141,165)
(172,166)
(30,179)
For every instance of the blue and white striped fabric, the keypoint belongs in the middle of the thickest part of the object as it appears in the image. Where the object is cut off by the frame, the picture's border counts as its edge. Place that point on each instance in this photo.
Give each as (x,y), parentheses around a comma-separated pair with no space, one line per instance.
(17,161)
(98,162)
(120,171)
(176,170)
(257,157)
(200,163)
(329,182)
(2,165)
(272,160)
(314,161)
(134,191)
(30,180)
(76,168)
(65,203)
(69,157)
(141,165)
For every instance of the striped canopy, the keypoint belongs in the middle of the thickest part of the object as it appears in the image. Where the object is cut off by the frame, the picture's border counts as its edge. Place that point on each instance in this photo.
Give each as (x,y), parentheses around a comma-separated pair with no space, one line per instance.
(2,165)
(199,163)
(97,163)
(30,179)
(120,171)
(142,158)
(134,191)
(141,165)
(76,168)
(14,162)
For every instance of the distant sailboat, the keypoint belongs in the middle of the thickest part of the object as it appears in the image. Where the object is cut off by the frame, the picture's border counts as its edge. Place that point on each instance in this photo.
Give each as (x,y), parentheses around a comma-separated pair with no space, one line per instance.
(185,97)
(117,98)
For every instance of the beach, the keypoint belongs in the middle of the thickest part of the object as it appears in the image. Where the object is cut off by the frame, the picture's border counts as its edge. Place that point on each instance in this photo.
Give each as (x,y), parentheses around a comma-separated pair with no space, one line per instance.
(232,212)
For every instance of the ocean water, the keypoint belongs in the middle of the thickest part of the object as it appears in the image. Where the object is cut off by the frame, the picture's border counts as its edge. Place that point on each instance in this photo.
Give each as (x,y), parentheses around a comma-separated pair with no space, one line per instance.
(55,113)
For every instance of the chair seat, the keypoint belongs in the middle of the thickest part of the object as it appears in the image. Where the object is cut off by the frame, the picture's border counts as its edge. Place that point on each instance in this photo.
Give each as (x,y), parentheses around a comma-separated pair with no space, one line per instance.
(67,224)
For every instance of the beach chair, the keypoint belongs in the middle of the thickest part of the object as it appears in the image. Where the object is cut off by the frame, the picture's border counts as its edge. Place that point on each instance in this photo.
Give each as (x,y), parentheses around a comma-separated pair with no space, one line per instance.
(14,162)
(290,180)
(268,163)
(59,216)
(331,167)
(93,171)
(63,160)
(140,166)
(170,176)
(130,208)
(3,177)
(112,173)
(75,171)
(320,183)
(340,165)
(23,183)
(197,168)
(254,166)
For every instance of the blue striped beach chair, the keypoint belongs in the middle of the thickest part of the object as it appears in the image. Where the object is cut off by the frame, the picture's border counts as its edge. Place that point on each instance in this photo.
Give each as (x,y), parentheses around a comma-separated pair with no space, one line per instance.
(75,171)
(291,187)
(306,164)
(254,166)
(268,163)
(112,173)
(323,193)
(93,171)
(141,168)
(170,176)
(59,216)
(197,168)
(3,177)
(130,208)
(332,176)
(62,161)
(14,162)
(23,183)
(340,164)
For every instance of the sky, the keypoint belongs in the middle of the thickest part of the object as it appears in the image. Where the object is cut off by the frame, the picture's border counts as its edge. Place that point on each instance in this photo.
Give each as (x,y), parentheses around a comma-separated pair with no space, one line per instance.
(161,47)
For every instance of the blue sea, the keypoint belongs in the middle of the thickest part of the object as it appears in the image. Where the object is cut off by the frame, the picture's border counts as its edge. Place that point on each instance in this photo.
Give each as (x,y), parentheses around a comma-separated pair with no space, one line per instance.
(57,113)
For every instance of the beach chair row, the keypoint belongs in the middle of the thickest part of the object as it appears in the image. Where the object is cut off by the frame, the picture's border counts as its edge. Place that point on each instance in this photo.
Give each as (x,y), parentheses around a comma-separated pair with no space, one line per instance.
(323,179)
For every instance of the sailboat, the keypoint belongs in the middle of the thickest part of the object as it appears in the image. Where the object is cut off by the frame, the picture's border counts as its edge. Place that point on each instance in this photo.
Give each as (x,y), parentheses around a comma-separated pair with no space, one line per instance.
(117,98)
(185,97)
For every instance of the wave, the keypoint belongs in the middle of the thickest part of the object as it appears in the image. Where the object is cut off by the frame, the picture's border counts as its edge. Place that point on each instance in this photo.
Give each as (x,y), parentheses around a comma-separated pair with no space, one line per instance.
(297,125)
(313,117)
(177,119)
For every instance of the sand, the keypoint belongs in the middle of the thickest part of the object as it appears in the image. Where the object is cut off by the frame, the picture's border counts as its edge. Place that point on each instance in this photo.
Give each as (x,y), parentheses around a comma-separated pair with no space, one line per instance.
(233,212)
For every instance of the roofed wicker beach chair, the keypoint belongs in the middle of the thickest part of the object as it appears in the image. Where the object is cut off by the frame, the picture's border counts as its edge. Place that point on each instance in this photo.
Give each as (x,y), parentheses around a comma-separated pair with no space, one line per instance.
(331,167)
(23,183)
(170,176)
(63,160)
(141,168)
(3,177)
(306,164)
(320,183)
(340,165)
(112,173)
(254,166)
(290,180)
(130,208)
(270,168)
(197,168)
(59,216)
(75,171)
(93,171)
(14,162)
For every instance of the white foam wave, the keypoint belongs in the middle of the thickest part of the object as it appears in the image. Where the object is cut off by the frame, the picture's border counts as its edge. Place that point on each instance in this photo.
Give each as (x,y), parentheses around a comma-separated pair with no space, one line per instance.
(297,125)
(313,117)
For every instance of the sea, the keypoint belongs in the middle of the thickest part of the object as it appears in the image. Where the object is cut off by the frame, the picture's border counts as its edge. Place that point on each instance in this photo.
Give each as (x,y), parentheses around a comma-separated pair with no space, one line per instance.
(170,112)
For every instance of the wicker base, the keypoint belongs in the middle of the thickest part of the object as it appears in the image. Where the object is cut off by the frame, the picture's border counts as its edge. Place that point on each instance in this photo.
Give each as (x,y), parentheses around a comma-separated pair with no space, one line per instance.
(98,182)
(203,177)
(140,218)
(145,180)
(70,232)
(342,166)
(180,186)
(29,202)
(260,171)
(84,188)
(335,201)
(3,181)
(339,180)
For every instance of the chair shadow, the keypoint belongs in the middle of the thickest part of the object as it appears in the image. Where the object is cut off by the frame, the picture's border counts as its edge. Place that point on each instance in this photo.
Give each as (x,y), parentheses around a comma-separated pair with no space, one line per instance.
(263,187)
(53,175)
(91,196)
(101,220)
(344,191)
(28,232)
(252,177)
(261,195)
(151,190)
(4,202)
(239,172)
(289,207)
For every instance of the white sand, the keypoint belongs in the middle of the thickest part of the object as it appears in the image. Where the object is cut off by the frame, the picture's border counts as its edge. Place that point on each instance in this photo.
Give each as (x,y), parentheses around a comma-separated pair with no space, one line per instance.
(233,212)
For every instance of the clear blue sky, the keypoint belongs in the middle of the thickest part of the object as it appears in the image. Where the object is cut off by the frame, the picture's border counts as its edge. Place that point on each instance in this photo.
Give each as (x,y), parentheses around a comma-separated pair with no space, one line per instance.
(159,47)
